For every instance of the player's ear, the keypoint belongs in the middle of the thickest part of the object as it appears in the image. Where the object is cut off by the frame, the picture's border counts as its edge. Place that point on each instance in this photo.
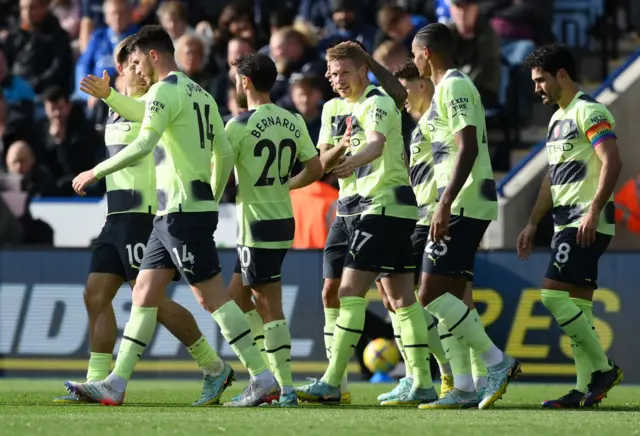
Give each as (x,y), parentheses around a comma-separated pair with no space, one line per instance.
(119,68)
(154,55)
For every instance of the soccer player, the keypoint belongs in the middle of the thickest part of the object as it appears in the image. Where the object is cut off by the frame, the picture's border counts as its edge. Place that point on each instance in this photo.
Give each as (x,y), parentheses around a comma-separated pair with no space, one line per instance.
(378,184)
(266,142)
(116,257)
(584,166)
(181,122)
(333,141)
(466,204)
(419,94)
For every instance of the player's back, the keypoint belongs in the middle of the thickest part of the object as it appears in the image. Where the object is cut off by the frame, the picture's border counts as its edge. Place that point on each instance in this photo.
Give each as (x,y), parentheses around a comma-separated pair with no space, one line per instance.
(266,141)
(183,159)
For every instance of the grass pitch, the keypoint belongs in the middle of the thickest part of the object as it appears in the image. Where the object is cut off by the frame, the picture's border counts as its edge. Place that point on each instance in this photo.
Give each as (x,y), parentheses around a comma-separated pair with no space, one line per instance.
(161,407)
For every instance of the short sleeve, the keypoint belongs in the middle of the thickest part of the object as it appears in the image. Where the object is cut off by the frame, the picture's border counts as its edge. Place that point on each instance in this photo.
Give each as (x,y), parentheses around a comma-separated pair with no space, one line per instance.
(457,101)
(381,115)
(597,123)
(159,108)
(307,150)
(326,130)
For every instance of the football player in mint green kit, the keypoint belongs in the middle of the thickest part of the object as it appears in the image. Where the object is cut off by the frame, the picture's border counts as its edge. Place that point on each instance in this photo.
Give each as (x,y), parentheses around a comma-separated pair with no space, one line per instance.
(584,166)
(118,251)
(374,163)
(266,141)
(466,204)
(182,121)
(332,142)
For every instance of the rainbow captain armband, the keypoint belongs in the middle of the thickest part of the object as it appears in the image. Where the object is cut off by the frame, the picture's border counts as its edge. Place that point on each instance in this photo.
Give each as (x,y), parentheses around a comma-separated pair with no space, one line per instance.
(600,132)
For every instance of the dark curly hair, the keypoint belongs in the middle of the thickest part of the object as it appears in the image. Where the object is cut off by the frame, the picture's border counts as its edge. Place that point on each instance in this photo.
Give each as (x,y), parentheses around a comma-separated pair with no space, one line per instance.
(551,59)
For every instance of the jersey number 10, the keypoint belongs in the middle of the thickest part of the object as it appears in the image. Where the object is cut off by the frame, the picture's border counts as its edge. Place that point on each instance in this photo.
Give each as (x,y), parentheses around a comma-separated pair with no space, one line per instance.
(272,154)
(201,123)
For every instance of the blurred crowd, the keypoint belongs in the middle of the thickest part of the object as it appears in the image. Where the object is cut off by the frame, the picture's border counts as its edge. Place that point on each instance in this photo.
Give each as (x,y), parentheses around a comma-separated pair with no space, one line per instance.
(50,131)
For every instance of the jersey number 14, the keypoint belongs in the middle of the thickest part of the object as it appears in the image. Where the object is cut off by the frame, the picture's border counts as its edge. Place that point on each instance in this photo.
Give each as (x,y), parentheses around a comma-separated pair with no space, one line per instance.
(201,123)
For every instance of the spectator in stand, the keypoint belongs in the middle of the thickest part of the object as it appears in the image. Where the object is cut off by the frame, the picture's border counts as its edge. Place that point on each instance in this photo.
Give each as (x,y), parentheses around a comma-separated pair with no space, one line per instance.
(39,50)
(236,21)
(227,78)
(518,20)
(292,54)
(173,17)
(37,180)
(319,12)
(14,125)
(390,54)
(233,104)
(92,18)
(9,16)
(68,14)
(17,92)
(307,98)
(99,54)
(190,56)
(477,49)
(398,25)
(347,25)
(71,143)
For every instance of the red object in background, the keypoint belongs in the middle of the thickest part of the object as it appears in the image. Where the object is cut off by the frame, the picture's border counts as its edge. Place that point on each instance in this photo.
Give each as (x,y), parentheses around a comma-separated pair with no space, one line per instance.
(627,201)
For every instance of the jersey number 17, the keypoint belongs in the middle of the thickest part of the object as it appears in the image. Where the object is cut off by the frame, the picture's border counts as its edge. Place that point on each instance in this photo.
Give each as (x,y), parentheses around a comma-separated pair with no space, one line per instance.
(201,123)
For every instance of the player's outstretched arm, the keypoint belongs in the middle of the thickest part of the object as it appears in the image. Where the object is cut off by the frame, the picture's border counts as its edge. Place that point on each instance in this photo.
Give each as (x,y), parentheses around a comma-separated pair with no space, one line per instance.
(134,152)
(98,87)
(388,81)
(311,172)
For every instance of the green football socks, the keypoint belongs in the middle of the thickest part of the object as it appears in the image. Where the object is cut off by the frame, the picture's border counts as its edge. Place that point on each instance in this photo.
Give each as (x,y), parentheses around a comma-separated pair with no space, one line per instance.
(478,368)
(576,325)
(415,339)
(583,364)
(137,334)
(206,357)
(257,331)
(99,366)
(435,344)
(330,318)
(277,341)
(459,359)
(463,323)
(235,329)
(397,335)
(347,333)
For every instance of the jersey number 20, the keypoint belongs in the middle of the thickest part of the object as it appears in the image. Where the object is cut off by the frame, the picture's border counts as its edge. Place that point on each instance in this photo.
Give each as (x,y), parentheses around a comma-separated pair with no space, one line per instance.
(201,124)
(274,153)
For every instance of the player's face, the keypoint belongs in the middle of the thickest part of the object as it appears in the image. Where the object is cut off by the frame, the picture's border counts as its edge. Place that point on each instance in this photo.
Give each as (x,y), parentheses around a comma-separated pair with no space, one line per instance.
(347,78)
(144,66)
(546,86)
(135,84)
(241,91)
(415,94)
(421,59)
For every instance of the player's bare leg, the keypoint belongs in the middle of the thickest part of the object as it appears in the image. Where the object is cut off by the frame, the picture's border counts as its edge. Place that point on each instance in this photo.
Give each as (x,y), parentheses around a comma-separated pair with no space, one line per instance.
(331,304)
(572,307)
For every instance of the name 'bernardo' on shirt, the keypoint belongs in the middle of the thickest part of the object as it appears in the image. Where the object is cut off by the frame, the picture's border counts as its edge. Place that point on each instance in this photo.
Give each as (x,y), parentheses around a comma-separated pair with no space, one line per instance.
(265,123)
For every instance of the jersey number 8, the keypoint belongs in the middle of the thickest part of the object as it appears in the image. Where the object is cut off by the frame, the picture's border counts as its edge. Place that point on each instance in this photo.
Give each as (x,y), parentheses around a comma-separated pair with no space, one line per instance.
(274,153)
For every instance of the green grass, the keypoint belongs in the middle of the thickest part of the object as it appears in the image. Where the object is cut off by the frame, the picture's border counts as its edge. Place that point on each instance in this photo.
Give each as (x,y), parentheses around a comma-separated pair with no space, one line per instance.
(163,407)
